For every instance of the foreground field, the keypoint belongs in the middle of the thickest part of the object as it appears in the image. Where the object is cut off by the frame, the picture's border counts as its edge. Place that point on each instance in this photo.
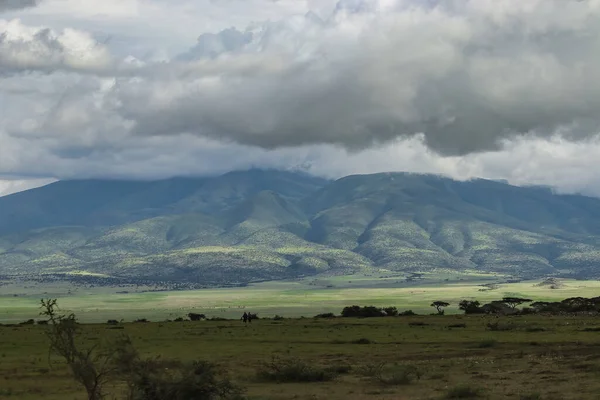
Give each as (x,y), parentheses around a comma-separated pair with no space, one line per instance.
(531,357)
(289,299)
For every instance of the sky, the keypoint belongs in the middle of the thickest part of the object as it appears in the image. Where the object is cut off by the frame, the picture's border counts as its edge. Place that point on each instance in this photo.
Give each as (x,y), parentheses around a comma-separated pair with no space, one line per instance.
(149,89)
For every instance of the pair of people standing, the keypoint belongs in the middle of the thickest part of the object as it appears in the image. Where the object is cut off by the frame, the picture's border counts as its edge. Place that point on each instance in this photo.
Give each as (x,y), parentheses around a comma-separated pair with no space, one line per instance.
(247,317)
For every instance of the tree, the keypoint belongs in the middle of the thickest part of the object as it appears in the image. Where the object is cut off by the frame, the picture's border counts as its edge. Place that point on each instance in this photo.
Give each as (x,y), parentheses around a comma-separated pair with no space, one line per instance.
(439,306)
(470,307)
(90,367)
(513,302)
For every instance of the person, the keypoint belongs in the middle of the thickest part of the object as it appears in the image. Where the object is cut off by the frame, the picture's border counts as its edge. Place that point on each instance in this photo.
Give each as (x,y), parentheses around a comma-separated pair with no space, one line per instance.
(245,317)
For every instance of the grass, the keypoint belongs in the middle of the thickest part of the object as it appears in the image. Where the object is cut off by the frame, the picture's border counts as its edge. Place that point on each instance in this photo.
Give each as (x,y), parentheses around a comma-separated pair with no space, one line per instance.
(289,299)
(296,358)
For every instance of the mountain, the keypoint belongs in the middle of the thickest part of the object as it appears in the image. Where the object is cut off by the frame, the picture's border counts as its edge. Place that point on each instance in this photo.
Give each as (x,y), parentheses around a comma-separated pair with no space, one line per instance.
(263,225)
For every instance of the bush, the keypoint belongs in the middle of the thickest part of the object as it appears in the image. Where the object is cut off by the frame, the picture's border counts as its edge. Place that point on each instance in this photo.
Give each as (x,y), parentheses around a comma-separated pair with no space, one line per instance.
(362,341)
(402,376)
(199,380)
(141,320)
(325,315)
(530,396)
(390,311)
(407,313)
(417,323)
(278,318)
(293,370)
(362,312)
(463,325)
(496,326)
(463,392)
(486,344)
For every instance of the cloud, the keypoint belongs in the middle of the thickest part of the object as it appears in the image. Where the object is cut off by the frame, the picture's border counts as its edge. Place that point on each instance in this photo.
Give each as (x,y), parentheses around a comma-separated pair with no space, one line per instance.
(10,186)
(6,5)
(466,76)
(504,89)
(24,48)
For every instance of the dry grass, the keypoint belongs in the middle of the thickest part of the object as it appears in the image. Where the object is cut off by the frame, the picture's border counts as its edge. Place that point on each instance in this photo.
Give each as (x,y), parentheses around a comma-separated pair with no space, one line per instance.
(560,362)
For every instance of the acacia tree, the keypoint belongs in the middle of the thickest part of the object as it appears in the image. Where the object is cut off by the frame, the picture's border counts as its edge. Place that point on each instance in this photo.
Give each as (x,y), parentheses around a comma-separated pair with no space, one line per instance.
(439,306)
(513,302)
(91,367)
(469,306)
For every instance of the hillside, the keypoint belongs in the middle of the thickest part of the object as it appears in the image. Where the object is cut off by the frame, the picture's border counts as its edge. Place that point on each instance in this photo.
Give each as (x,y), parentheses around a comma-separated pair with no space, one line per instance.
(262,225)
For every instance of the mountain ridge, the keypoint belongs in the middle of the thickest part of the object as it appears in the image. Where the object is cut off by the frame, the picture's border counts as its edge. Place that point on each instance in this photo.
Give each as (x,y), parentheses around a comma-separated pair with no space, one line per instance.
(254,225)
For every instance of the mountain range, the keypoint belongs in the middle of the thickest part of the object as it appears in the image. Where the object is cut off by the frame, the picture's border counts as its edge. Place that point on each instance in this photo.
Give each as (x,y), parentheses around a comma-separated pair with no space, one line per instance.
(261,225)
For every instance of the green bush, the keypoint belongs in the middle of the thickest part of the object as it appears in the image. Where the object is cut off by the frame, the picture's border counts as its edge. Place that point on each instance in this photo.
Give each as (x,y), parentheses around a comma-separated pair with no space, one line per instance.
(325,315)
(151,380)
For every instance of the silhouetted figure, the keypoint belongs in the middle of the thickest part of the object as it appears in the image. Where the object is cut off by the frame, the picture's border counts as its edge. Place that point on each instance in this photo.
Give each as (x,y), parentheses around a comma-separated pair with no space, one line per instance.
(245,317)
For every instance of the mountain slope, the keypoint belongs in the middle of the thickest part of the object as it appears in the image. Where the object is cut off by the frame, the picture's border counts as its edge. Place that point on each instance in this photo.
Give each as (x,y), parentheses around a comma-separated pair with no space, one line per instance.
(260,225)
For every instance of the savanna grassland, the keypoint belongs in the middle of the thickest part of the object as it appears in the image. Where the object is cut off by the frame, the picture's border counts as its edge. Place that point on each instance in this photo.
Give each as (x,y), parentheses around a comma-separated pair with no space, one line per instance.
(419,357)
(19,302)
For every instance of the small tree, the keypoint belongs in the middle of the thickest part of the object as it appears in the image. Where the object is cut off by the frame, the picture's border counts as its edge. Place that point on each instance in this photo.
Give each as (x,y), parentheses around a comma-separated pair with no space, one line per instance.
(439,306)
(470,307)
(513,302)
(90,367)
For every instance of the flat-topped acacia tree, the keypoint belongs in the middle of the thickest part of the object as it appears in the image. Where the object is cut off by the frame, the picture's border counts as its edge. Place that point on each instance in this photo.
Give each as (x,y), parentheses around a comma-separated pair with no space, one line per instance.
(439,306)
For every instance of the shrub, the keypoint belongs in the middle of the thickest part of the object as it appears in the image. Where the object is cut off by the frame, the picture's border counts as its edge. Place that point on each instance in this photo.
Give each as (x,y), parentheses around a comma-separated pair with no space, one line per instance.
(28,322)
(390,311)
(339,369)
(402,376)
(278,318)
(486,344)
(535,329)
(362,341)
(141,320)
(463,325)
(496,326)
(463,392)
(362,312)
(198,380)
(293,370)
(530,396)
(417,323)
(325,315)
(407,313)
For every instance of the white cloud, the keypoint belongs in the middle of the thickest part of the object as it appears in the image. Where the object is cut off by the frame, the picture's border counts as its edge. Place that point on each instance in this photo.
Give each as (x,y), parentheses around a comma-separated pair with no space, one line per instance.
(504,89)
(10,186)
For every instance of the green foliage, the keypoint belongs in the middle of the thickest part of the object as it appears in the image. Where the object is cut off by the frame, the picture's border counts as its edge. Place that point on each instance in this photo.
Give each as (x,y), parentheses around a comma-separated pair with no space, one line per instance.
(439,306)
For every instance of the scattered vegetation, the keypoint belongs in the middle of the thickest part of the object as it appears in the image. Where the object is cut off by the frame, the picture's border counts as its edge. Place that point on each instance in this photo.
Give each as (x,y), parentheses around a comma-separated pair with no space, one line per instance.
(463,391)
(294,370)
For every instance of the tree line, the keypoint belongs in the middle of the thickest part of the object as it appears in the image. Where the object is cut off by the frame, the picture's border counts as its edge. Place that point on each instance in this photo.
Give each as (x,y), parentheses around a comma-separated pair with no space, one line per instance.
(505,306)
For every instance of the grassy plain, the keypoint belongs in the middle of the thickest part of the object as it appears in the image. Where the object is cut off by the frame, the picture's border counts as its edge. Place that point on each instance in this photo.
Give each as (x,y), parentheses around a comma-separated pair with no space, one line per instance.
(289,299)
(535,358)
